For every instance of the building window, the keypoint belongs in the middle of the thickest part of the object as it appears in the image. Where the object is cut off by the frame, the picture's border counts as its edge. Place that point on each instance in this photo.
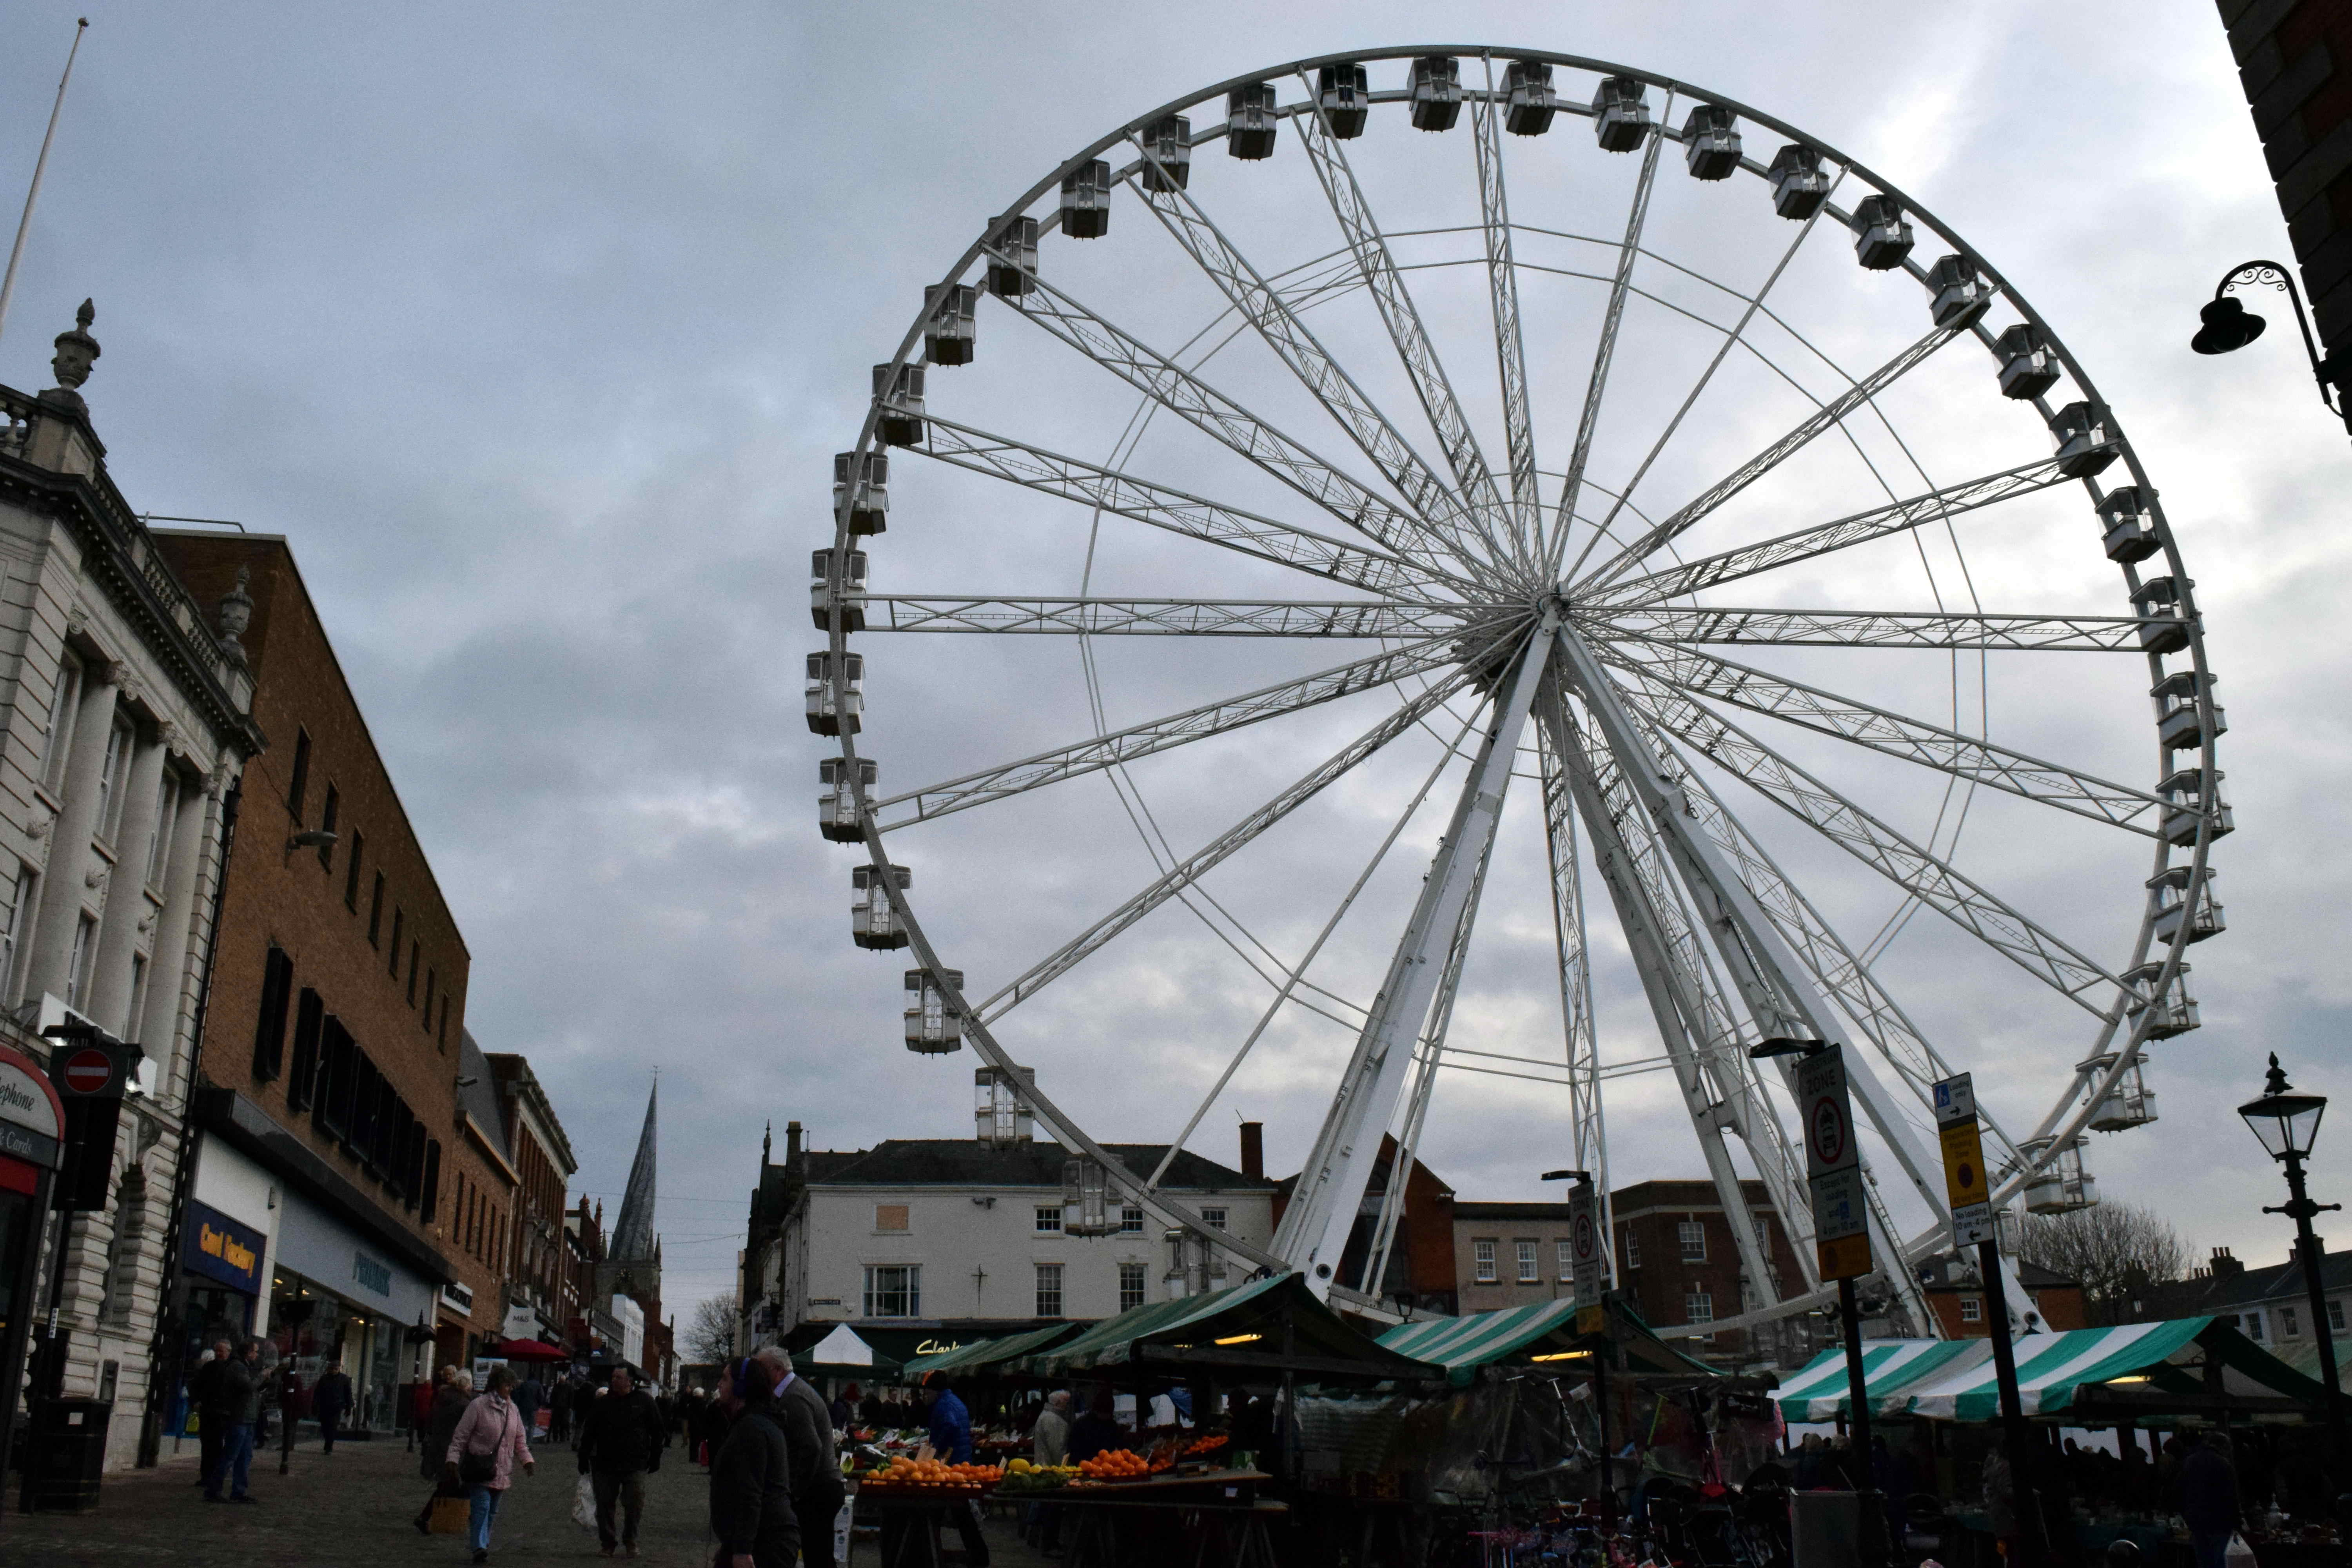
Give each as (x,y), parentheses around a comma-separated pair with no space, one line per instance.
(429,1193)
(1049,1290)
(17,925)
(2290,1327)
(431,981)
(109,775)
(167,814)
(1692,1236)
(1482,1257)
(1526,1253)
(1698,1307)
(327,817)
(894,1290)
(302,1083)
(138,988)
(1632,1250)
(2335,1316)
(415,957)
(443,1037)
(399,925)
(63,702)
(270,1030)
(890,1216)
(1214,1219)
(81,961)
(299,784)
(1567,1258)
(352,872)
(375,911)
(1973,1309)
(1049,1219)
(1130,1287)
(2252,1322)
(1130,1222)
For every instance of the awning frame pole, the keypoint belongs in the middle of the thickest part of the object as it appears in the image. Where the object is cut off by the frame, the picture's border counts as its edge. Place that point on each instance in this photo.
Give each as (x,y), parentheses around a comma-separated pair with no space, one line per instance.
(2025,1498)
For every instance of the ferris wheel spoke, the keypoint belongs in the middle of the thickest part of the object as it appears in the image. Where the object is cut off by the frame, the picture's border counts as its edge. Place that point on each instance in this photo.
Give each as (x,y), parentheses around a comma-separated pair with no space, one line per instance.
(1472,478)
(1503,299)
(1178,512)
(1440,511)
(1736,337)
(1804,545)
(1823,418)
(1589,1138)
(1193,400)
(1605,352)
(1171,617)
(1871,628)
(1695,1021)
(1966,903)
(1184,873)
(1687,673)
(1435,656)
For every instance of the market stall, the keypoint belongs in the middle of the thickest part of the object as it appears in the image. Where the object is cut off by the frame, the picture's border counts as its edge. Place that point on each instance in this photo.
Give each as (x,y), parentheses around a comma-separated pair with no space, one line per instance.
(2157,1388)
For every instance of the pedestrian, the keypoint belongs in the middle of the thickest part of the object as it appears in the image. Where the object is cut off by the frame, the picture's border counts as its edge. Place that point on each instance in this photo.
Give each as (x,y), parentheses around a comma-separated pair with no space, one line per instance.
(951,1428)
(751,1477)
(212,1414)
(529,1394)
(843,1408)
(240,1408)
(449,1402)
(488,1471)
(558,1411)
(817,1488)
(1049,1445)
(621,1440)
(871,1410)
(289,1411)
(2209,1499)
(330,1400)
(1096,1430)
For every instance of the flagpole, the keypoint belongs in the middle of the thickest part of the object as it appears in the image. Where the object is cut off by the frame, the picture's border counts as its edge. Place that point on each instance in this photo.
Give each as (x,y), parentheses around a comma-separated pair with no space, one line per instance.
(40,164)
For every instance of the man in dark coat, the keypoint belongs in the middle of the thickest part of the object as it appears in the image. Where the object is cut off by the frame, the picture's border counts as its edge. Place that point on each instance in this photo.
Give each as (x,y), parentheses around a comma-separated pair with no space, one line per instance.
(751,1477)
(529,1396)
(817,1487)
(621,1439)
(558,1411)
(330,1400)
(2209,1499)
(449,1402)
(240,1393)
(212,1414)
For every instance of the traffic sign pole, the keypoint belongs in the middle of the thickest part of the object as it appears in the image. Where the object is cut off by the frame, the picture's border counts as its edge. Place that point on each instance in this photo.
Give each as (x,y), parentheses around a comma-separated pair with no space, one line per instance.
(1969,1187)
(1841,1245)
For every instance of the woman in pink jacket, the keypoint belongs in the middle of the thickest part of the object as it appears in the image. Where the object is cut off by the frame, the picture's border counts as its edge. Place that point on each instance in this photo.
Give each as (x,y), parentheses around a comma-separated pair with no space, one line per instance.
(482,1453)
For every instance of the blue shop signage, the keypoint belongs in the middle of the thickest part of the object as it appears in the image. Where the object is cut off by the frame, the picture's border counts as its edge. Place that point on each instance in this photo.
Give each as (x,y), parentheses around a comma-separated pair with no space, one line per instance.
(220,1249)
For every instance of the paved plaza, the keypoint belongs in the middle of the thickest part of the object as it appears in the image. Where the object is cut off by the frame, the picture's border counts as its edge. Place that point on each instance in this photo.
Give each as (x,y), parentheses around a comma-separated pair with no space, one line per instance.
(353,1510)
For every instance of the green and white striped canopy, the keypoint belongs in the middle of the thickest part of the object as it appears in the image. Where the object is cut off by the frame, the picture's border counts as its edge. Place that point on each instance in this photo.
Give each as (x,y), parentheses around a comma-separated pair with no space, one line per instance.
(1953,1380)
(1459,1344)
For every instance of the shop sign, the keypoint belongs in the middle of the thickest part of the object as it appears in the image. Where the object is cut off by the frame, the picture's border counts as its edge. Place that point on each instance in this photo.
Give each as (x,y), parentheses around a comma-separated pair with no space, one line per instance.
(371,1275)
(937,1347)
(218,1249)
(32,1120)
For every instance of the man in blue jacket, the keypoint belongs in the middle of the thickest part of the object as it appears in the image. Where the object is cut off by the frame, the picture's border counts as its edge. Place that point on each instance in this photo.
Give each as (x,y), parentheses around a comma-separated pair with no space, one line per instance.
(951,1427)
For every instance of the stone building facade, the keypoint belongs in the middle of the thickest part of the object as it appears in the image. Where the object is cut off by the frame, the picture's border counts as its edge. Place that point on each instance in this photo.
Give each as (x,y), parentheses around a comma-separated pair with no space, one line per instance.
(125,723)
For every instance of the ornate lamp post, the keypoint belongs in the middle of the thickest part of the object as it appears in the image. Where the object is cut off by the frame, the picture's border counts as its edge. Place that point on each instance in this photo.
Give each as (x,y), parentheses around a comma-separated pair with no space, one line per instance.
(2288,1124)
(2229,326)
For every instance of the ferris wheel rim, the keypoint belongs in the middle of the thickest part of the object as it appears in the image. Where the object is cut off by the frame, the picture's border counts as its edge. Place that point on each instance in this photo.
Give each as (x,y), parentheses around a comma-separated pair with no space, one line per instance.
(2086,1091)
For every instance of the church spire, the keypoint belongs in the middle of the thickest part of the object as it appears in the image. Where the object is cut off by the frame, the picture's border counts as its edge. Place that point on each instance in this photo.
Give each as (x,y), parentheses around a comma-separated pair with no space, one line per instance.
(632,1232)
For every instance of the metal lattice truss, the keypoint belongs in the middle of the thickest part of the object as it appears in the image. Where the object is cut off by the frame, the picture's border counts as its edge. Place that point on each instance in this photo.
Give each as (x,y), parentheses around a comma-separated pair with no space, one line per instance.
(1577,651)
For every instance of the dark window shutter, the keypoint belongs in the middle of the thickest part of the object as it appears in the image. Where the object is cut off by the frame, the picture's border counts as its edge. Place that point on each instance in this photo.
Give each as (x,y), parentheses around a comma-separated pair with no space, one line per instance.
(359,1140)
(302,1081)
(269,1031)
(336,1077)
(429,1185)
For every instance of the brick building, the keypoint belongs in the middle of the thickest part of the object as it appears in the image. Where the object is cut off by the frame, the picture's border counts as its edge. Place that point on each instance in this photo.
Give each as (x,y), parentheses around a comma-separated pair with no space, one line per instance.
(1953,1287)
(480,1183)
(333,1125)
(540,1286)
(1422,1276)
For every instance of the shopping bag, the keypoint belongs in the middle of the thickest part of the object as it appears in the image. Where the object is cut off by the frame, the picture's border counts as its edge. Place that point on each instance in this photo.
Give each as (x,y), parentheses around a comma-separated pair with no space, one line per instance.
(450,1515)
(2240,1554)
(583,1504)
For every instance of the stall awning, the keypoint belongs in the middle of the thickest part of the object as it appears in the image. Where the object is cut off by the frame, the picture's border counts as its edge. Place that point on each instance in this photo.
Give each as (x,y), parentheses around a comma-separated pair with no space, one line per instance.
(1953,1380)
(1533,1332)
(984,1353)
(1267,1326)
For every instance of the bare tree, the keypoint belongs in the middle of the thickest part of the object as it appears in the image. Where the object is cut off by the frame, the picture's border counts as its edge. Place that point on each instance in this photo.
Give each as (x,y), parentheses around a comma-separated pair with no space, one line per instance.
(710,1337)
(2108,1249)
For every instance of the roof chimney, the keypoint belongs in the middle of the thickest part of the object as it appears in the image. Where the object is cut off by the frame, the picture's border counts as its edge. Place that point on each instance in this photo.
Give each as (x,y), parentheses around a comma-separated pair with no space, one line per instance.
(791,1143)
(2224,1265)
(1254,1150)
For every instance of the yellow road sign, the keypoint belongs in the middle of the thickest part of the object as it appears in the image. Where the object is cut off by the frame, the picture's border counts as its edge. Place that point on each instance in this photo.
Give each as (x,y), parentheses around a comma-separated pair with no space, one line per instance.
(1964,1166)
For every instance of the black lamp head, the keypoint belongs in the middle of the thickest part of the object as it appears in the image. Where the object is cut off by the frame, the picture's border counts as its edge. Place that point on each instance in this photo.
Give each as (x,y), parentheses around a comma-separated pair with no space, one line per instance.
(2228,326)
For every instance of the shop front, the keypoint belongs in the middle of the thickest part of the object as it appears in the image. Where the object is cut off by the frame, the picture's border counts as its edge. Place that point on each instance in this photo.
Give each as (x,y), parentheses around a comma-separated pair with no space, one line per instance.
(338,1297)
(224,1245)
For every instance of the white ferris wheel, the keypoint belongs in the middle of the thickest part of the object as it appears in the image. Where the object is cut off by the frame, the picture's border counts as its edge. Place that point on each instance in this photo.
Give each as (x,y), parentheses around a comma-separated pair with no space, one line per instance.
(1686,535)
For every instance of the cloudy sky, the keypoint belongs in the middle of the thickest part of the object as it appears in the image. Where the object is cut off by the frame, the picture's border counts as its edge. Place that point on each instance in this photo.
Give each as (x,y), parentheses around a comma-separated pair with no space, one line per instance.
(535,329)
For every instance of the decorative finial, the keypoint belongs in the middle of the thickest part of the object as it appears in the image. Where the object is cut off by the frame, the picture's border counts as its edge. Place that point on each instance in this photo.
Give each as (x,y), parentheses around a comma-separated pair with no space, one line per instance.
(236,615)
(2275,1082)
(77,351)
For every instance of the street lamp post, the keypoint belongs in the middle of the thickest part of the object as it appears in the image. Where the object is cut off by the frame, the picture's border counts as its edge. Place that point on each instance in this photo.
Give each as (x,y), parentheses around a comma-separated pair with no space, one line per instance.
(2288,1124)
(2228,326)
(1580,1201)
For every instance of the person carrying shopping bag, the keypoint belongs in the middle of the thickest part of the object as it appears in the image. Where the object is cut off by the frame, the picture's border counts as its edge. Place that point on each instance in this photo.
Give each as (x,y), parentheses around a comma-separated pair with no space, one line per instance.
(482,1455)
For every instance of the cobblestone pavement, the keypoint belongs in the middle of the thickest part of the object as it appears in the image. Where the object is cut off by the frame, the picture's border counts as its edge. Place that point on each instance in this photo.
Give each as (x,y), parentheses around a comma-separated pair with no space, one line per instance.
(353,1509)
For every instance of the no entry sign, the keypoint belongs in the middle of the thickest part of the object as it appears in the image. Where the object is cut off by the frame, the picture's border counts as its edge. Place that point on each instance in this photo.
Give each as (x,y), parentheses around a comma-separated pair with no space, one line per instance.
(87,1071)
(1833,1167)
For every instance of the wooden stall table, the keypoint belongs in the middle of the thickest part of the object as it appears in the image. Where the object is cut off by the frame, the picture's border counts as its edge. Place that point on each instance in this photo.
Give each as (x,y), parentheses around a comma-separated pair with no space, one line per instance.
(1219,1522)
(911,1519)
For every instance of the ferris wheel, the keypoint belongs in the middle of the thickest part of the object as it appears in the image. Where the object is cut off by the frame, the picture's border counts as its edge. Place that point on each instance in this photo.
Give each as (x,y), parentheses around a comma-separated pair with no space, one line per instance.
(1791,569)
